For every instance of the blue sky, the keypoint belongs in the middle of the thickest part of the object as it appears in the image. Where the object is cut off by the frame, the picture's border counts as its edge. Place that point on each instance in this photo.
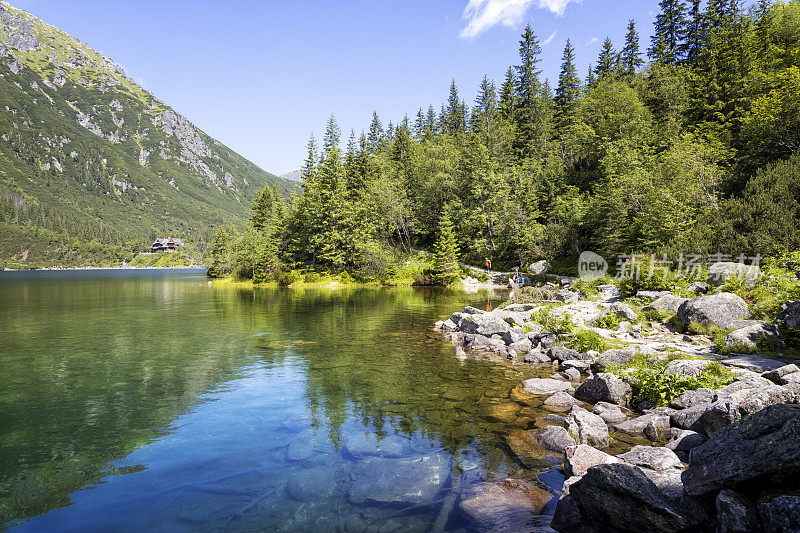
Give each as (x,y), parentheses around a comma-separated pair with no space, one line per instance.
(261,76)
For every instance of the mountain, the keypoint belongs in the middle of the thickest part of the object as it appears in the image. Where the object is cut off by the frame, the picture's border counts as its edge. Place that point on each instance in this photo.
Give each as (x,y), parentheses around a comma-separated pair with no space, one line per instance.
(295,175)
(91,162)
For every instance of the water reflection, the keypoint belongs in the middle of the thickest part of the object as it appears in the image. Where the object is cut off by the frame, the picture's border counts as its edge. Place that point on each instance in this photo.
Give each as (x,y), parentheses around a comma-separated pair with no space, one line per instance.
(239,409)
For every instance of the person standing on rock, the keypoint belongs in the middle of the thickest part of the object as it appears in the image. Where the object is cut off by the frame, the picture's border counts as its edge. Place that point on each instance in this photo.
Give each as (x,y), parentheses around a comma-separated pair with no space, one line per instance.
(488,264)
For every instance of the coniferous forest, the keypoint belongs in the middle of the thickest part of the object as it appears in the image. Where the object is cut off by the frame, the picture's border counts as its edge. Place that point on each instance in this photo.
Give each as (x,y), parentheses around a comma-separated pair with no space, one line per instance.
(687,144)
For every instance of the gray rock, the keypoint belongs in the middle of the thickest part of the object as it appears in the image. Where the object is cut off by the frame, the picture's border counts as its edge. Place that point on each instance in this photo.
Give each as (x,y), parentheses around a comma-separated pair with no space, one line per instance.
(653,295)
(567,296)
(781,514)
(579,459)
(486,324)
(698,287)
(558,353)
(504,506)
(747,338)
(513,335)
(779,374)
(667,302)
(449,325)
(714,309)
(605,388)
(539,268)
(622,495)
(687,367)
(546,386)
(638,426)
(587,428)
(574,374)
(399,481)
(568,518)
(683,440)
(688,418)
(536,356)
(614,356)
(312,484)
(762,444)
(361,445)
(652,457)
(789,316)
(556,419)
(719,273)
(690,398)
(554,438)
(522,346)
(580,366)
(472,340)
(624,311)
(561,401)
(609,412)
(735,513)
(657,428)
(548,341)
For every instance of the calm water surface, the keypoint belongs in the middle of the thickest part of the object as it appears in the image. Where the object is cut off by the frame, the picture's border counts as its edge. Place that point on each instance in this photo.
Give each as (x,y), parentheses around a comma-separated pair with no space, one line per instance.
(154,401)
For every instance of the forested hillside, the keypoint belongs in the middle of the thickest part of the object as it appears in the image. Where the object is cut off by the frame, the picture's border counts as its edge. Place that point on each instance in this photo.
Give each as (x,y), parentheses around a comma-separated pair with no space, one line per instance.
(692,152)
(92,166)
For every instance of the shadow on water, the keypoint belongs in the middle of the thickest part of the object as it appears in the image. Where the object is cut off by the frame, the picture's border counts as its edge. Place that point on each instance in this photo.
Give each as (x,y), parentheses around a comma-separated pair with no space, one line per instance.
(216,399)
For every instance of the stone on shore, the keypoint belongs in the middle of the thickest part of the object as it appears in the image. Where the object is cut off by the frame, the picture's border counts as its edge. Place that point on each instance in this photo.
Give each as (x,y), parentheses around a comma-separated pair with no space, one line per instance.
(683,440)
(587,428)
(486,324)
(613,357)
(781,514)
(763,444)
(691,398)
(558,353)
(667,302)
(561,401)
(611,413)
(638,427)
(719,273)
(579,459)
(546,386)
(735,513)
(605,387)
(652,457)
(714,309)
(504,506)
(687,367)
(620,494)
(554,438)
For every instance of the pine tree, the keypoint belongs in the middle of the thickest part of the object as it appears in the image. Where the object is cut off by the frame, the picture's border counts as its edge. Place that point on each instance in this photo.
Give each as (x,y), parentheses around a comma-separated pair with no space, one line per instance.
(631,56)
(531,115)
(695,34)
(508,92)
(606,61)
(261,211)
(670,32)
(569,88)
(591,81)
(763,18)
(446,249)
(455,113)
(375,137)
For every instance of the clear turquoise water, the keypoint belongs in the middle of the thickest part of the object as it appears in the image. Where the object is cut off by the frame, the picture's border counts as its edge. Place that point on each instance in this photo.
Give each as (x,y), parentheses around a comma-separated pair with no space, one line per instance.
(154,401)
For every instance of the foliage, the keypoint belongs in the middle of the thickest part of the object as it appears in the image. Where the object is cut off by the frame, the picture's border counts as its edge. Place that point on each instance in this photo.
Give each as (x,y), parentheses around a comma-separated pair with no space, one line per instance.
(557,323)
(608,321)
(584,340)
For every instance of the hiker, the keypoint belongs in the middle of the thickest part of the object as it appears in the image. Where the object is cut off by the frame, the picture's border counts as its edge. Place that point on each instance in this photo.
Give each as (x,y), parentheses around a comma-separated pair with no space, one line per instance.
(488,264)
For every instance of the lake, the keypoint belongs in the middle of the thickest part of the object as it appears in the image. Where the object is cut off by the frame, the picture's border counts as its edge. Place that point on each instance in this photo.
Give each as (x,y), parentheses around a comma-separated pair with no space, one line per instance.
(153,400)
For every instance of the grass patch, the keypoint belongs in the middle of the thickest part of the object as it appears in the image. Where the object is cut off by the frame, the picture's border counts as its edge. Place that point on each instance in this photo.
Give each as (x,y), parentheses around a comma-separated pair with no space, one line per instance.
(554,323)
(584,340)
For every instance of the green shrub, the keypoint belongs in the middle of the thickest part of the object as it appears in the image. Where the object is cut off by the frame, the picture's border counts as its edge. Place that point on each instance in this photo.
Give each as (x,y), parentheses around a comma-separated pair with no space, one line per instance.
(651,383)
(584,340)
(311,277)
(553,323)
(608,321)
(589,288)
(284,278)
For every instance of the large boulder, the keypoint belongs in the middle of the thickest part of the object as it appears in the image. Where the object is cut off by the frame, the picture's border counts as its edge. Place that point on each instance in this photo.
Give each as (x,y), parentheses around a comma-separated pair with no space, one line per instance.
(687,367)
(667,302)
(546,386)
(579,459)
(486,324)
(735,513)
(747,339)
(587,428)
(622,495)
(609,412)
(539,268)
(560,354)
(714,309)
(690,398)
(781,514)
(561,401)
(779,375)
(399,481)
(605,387)
(504,506)
(653,425)
(719,273)
(652,457)
(613,357)
(683,440)
(761,445)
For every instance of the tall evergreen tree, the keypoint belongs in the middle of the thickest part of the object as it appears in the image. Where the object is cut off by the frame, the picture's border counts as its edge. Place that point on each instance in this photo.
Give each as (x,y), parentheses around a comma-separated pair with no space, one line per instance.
(606,61)
(508,95)
(375,135)
(569,87)
(455,113)
(695,34)
(631,56)
(670,32)
(531,110)
(446,249)
(261,212)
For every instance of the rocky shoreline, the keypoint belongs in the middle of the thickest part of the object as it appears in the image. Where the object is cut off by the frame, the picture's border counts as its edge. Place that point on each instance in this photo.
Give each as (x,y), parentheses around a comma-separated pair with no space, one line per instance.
(714,458)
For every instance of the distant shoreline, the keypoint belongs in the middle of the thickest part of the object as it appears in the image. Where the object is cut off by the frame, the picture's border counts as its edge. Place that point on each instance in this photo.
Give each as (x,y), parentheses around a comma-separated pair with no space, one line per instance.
(65,269)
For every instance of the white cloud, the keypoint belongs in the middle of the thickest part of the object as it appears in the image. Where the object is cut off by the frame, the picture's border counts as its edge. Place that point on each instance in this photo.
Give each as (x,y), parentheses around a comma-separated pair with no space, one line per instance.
(484,14)
(593,40)
(549,39)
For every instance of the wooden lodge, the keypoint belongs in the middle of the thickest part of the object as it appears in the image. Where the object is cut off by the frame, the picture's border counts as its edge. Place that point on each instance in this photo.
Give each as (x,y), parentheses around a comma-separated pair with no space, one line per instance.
(161,245)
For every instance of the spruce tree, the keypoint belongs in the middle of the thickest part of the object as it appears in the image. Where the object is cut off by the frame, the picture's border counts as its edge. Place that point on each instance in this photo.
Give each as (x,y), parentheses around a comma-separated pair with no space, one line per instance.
(631,56)
(375,135)
(508,95)
(606,61)
(261,211)
(569,87)
(670,32)
(532,110)
(695,34)
(447,269)
(455,113)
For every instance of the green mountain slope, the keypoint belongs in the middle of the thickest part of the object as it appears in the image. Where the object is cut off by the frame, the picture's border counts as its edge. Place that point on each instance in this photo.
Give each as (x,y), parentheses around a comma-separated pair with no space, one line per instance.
(91,162)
